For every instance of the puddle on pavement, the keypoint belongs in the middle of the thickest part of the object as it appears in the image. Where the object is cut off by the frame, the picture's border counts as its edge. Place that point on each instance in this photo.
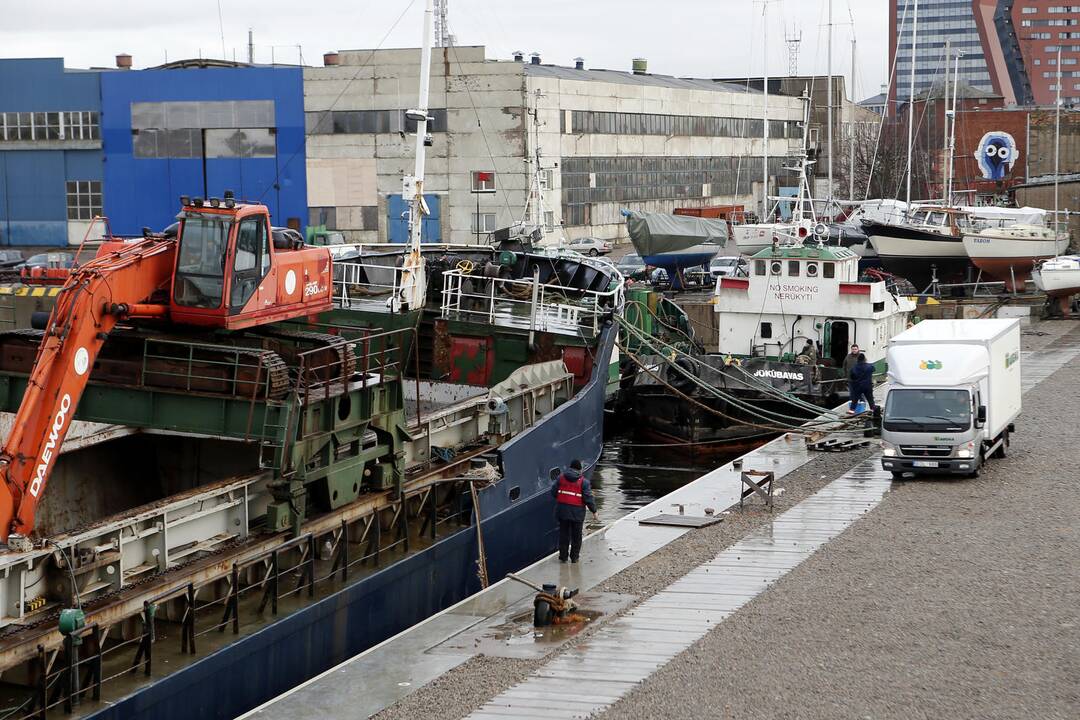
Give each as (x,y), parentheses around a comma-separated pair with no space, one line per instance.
(515,636)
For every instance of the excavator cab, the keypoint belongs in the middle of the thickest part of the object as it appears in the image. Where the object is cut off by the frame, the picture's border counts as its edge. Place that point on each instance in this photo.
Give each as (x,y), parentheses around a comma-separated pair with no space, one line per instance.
(230,273)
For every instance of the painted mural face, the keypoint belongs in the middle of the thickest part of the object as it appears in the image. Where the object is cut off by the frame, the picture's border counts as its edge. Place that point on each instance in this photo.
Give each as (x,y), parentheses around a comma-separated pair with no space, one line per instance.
(996,155)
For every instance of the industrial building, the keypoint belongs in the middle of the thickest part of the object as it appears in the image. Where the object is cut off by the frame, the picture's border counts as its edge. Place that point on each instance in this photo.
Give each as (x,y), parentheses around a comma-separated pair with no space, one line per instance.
(198,128)
(607,140)
(50,152)
(124,143)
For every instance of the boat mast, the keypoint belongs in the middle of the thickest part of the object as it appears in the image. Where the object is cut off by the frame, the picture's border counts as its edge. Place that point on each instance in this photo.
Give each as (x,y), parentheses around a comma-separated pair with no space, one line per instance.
(952,130)
(911,99)
(851,125)
(765,115)
(945,99)
(413,279)
(829,111)
(1057,139)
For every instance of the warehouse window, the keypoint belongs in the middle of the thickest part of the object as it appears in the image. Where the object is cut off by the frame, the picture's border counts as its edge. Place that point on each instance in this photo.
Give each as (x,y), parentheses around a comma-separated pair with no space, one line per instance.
(483,181)
(81,125)
(483,222)
(83,199)
(356,122)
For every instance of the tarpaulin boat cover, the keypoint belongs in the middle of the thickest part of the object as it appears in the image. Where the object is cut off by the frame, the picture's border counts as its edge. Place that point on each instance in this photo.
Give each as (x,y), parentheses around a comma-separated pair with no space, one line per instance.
(656,233)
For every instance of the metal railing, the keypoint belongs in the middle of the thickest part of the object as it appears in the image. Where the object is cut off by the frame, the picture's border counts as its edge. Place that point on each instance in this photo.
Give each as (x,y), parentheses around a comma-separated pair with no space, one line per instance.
(63,677)
(356,281)
(529,304)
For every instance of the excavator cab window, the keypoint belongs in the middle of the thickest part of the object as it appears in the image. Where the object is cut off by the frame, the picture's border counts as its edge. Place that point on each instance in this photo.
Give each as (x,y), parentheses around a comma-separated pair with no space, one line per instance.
(251,262)
(200,267)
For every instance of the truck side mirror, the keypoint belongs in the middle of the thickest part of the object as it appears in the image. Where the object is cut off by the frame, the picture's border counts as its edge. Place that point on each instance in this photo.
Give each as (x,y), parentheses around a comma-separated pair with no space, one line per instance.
(980,416)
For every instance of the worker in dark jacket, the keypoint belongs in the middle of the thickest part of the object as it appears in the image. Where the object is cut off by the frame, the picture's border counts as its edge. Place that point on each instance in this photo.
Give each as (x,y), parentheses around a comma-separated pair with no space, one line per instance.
(850,359)
(861,384)
(572,494)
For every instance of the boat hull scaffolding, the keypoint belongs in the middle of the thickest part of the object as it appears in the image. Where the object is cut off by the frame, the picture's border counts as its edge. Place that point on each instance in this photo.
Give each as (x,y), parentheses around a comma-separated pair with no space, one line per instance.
(517,525)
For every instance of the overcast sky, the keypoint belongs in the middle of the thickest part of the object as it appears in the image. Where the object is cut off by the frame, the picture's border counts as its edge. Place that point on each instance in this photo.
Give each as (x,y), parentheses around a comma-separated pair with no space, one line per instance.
(705,38)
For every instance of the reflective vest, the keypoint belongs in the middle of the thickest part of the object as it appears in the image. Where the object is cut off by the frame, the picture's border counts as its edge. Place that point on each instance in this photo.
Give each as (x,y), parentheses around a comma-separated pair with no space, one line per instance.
(570,491)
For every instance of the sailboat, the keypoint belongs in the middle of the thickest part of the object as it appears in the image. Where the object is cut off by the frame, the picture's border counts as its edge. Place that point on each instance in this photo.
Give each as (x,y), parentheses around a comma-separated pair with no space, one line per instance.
(1058,277)
(1010,253)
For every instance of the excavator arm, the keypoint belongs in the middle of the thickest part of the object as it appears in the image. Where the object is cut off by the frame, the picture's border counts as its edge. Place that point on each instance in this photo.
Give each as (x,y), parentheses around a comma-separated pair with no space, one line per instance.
(113,286)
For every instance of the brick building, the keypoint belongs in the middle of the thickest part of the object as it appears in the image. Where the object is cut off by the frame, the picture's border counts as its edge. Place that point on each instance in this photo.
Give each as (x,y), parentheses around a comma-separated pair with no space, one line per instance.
(1020,42)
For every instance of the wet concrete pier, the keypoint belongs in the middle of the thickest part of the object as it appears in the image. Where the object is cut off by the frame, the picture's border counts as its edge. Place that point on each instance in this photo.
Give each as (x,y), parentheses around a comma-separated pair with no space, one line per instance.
(855,597)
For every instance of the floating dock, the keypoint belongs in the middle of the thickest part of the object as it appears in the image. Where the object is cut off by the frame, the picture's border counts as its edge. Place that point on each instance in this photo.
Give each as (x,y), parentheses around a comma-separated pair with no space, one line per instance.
(632,658)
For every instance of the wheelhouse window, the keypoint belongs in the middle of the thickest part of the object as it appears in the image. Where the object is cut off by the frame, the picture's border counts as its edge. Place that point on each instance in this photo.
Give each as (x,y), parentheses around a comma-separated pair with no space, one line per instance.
(759,267)
(200,265)
(828,270)
(766,330)
(793,268)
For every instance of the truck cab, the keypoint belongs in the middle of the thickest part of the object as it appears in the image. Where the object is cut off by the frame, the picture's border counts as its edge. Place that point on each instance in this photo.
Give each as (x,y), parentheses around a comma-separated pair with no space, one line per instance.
(933,428)
(954,392)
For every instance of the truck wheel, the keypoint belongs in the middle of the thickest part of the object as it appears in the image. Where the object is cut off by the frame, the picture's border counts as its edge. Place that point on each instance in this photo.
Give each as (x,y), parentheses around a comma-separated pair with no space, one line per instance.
(973,474)
(1003,448)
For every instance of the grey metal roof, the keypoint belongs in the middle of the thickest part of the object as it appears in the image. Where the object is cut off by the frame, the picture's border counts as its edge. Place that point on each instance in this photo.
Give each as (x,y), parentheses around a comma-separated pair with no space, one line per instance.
(628,78)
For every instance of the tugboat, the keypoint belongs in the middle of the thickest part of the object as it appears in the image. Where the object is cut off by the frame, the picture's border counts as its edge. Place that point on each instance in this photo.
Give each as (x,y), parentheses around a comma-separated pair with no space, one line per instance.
(783,333)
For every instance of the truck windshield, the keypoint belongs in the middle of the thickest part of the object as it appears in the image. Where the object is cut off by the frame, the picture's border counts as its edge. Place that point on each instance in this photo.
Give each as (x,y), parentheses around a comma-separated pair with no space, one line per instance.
(929,409)
(200,267)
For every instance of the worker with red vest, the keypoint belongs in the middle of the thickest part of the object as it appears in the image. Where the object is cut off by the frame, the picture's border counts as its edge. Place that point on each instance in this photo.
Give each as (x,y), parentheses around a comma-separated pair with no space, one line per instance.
(572,494)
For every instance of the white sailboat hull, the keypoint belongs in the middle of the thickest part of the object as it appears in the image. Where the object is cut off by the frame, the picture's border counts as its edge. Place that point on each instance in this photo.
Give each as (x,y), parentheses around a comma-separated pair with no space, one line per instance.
(1059,276)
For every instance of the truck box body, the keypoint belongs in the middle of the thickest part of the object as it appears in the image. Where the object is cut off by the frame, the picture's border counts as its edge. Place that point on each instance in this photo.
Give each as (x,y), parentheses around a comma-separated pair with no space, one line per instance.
(945,361)
(939,353)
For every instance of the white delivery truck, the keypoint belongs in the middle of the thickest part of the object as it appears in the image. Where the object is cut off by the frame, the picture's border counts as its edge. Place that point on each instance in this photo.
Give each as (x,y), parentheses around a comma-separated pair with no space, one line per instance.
(954,392)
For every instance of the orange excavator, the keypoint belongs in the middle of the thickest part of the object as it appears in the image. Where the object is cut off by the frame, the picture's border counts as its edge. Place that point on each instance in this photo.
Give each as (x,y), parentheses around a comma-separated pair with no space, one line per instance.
(223,269)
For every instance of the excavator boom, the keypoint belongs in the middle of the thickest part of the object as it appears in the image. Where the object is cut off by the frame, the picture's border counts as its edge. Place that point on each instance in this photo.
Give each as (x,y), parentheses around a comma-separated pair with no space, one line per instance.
(223,269)
(95,297)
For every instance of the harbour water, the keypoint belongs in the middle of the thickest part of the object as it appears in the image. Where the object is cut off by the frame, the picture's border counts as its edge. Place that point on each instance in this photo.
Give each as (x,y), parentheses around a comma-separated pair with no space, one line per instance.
(630,475)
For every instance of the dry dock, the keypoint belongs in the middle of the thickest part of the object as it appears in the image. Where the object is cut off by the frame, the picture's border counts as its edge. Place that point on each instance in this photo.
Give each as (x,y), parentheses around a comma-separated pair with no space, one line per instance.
(855,597)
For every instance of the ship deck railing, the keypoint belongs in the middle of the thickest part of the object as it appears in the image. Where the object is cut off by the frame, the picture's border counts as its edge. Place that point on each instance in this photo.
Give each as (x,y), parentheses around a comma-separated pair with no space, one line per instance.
(358,284)
(526,304)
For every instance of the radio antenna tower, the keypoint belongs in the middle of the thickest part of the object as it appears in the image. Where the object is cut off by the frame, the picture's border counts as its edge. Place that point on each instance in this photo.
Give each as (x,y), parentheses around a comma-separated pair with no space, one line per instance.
(794,39)
(442,28)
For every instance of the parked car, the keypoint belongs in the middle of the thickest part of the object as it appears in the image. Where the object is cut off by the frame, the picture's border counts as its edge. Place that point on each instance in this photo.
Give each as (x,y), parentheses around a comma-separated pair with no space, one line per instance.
(631,266)
(590,246)
(727,266)
(53,259)
(10,258)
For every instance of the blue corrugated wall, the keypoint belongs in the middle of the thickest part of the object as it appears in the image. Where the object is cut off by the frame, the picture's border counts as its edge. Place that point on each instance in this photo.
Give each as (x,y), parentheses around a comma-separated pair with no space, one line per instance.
(144,191)
(33,205)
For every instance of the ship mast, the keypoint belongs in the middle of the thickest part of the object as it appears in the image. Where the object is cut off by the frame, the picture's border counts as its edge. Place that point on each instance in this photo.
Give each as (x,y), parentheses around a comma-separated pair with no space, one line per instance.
(911,100)
(1057,139)
(412,293)
(829,114)
(765,114)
